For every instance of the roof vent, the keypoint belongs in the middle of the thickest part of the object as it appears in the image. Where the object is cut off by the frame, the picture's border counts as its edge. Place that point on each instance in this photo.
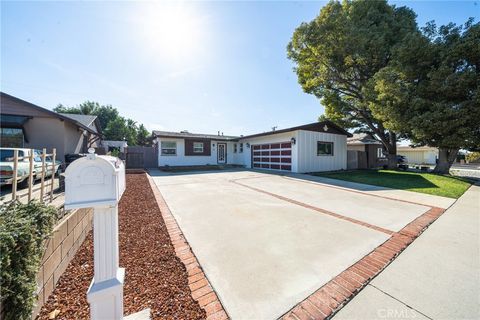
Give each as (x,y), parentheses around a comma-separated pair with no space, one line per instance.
(184,131)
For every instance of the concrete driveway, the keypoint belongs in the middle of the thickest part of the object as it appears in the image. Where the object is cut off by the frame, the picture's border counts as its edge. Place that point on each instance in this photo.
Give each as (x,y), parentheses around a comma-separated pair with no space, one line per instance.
(266,242)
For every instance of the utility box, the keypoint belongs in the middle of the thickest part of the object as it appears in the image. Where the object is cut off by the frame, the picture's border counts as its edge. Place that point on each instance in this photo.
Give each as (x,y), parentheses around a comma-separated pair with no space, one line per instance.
(94,181)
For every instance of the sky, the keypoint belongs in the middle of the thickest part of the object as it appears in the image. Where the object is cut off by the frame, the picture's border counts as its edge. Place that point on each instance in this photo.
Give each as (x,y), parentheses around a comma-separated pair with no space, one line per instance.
(197,66)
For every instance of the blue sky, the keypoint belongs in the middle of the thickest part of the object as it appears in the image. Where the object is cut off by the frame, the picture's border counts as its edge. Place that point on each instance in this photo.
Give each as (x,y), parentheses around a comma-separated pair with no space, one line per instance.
(200,66)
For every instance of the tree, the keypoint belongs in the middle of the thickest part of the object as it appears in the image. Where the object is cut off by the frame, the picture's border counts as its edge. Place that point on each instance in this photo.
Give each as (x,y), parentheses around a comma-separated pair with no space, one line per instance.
(339,52)
(143,136)
(114,126)
(431,90)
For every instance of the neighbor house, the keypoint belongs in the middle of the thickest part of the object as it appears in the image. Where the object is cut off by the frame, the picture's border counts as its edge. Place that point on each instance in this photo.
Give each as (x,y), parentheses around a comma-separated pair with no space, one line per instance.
(26,125)
(371,148)
(319,146)
(419,155)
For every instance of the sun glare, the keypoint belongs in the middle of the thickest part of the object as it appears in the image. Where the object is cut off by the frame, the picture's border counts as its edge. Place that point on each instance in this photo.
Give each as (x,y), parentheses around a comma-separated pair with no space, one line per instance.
(174,31)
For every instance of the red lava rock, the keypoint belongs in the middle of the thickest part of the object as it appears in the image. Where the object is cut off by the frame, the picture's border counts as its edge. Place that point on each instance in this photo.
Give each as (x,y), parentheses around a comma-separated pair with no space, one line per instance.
(154,277)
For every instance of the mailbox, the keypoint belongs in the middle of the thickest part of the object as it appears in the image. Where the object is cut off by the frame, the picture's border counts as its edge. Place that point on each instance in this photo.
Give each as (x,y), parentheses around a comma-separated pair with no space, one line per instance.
(94,181)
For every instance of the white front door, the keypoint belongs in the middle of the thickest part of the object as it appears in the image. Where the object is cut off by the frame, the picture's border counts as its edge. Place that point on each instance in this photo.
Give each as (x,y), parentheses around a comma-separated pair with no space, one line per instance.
(221,153)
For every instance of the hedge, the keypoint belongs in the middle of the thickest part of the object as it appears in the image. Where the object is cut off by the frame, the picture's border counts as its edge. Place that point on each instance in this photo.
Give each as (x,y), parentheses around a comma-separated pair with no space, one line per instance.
(23,231)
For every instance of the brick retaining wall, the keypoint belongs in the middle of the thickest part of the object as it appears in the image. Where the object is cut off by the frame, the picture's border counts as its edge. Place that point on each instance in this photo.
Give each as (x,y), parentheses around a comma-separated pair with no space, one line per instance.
(60,248)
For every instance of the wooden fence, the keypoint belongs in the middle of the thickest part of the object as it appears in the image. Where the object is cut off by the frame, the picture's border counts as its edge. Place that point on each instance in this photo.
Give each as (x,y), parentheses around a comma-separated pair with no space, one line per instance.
(46,186)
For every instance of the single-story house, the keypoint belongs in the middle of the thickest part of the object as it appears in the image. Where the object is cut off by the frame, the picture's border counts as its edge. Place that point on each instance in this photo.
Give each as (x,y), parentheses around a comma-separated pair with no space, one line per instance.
(373,149)
(26,125)
(419,155)
(319,146)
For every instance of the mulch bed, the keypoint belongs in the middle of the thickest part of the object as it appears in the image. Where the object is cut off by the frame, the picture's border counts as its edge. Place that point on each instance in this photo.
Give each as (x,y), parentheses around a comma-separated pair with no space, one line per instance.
(154,276)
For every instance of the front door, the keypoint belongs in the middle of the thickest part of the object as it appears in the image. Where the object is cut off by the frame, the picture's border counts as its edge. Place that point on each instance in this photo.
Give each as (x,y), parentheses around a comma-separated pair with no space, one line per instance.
(221,153)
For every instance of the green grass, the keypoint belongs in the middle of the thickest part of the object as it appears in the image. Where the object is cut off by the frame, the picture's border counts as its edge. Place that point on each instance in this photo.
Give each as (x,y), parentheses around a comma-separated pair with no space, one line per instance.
(440,185)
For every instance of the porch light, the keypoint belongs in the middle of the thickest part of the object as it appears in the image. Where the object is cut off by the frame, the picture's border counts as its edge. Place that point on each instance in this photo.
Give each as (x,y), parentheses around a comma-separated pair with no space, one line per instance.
(248,145)
(293,140)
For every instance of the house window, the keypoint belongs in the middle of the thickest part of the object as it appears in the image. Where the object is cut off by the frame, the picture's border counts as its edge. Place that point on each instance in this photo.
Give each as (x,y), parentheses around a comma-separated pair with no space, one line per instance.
(234,148)
(241,147)
(11,137)
(169,148)
(198,147)
(324,148)
(380,153)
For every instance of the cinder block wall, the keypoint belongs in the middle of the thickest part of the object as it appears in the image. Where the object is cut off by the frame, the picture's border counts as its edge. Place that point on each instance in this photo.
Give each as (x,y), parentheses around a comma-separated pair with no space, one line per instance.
(67,237)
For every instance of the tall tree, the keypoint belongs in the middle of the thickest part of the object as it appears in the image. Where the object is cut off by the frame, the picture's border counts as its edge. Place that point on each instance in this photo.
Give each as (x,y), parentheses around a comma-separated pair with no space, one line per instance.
(339,52)
(431,90)
(143,136)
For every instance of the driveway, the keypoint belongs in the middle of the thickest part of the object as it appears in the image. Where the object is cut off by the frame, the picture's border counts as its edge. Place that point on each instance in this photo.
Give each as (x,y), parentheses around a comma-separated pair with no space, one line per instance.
(266,242)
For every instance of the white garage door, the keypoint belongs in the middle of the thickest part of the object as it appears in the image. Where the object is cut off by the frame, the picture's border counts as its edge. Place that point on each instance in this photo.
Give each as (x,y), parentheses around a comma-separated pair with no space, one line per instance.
(275,156)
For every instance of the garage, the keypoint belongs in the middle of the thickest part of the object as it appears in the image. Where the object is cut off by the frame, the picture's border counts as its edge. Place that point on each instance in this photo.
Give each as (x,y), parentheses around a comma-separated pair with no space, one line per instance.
(274,156)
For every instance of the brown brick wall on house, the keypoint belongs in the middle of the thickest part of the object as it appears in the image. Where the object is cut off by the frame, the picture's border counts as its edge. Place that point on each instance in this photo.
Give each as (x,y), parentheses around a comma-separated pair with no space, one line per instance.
(67,237)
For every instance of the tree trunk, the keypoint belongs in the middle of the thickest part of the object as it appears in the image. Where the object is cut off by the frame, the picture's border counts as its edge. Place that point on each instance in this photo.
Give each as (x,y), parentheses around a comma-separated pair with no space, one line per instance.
(392,152)
(445,160)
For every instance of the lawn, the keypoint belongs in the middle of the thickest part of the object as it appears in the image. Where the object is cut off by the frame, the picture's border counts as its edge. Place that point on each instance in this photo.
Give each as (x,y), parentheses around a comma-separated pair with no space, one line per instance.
(440,185)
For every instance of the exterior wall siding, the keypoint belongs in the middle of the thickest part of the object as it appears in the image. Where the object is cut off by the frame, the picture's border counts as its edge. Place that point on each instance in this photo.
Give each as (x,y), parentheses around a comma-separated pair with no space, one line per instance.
(180,159)
(308,161)
(419,156)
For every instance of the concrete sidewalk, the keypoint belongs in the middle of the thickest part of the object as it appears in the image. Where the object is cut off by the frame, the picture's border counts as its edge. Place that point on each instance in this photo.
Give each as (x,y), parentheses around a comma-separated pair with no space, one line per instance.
(436,277)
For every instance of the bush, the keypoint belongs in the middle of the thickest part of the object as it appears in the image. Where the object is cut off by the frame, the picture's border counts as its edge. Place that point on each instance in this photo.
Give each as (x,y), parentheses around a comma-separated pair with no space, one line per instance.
(23,231)
(473,157)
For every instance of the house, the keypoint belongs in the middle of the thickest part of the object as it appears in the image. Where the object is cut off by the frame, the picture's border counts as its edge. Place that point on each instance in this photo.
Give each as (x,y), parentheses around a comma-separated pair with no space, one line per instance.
(26,125)
(419,155)
(319,146)
(372,148)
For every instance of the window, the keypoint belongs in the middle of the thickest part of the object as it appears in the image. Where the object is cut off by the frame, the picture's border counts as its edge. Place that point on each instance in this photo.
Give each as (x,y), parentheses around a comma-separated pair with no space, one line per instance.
(380,153)
(241,147)
(12,137)
(324,148)
(169,148)
(234,148)
(198,147)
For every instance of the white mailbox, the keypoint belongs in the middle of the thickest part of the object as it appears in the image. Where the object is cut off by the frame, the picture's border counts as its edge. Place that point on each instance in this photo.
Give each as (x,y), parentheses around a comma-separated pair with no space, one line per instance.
(94,181)
(98,182)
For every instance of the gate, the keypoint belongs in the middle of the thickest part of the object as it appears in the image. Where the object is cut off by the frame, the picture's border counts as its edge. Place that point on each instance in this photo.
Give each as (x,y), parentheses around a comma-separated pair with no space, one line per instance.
(141,157)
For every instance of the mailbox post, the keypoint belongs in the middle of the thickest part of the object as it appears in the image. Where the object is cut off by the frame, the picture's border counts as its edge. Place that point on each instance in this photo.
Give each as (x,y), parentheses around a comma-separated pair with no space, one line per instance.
(98,182)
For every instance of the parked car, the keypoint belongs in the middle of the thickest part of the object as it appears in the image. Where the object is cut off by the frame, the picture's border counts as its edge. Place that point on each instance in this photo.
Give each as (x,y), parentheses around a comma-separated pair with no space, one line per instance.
(401,159)
(23,166)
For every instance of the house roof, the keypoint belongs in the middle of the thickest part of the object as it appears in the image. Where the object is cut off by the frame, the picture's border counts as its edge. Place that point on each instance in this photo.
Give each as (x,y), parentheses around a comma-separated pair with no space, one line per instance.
(362,138)
(185,134)
(322,126)
(422,148)
(85,119)
(4,95)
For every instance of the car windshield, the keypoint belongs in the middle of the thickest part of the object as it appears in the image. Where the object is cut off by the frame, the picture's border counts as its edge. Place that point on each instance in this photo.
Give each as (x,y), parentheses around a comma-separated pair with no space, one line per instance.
(5,154)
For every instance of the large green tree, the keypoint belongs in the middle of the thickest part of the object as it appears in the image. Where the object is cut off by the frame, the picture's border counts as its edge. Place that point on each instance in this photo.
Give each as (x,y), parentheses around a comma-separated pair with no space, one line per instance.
(114,126)
(337,55)
(431,90)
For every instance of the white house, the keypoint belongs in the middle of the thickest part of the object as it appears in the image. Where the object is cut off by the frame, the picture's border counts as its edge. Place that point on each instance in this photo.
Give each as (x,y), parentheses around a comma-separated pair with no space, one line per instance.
(419,155)
(319,146)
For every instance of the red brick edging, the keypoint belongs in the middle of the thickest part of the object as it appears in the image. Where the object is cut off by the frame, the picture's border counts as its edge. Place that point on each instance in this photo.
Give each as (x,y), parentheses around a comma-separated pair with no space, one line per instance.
(326,301)
(201,288)
(331,297)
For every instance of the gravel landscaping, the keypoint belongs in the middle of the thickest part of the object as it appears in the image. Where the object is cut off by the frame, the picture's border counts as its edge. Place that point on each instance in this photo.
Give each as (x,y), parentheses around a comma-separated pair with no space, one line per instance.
(155,278)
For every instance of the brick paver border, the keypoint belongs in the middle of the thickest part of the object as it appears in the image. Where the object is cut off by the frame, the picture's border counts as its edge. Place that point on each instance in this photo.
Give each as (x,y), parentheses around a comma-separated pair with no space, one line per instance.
(331,297)
(202,290)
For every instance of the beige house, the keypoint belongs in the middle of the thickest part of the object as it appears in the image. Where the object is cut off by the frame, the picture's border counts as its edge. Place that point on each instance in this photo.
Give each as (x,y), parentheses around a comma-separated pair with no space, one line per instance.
(419,155)
(26,125)
(369,151)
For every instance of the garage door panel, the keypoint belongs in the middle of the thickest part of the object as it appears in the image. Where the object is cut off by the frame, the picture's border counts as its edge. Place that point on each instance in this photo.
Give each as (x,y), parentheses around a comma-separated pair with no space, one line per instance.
(274,156)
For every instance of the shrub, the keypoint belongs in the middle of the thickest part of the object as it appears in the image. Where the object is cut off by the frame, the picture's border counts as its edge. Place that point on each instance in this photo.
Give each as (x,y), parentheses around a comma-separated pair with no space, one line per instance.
(23,230)
(473,157)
